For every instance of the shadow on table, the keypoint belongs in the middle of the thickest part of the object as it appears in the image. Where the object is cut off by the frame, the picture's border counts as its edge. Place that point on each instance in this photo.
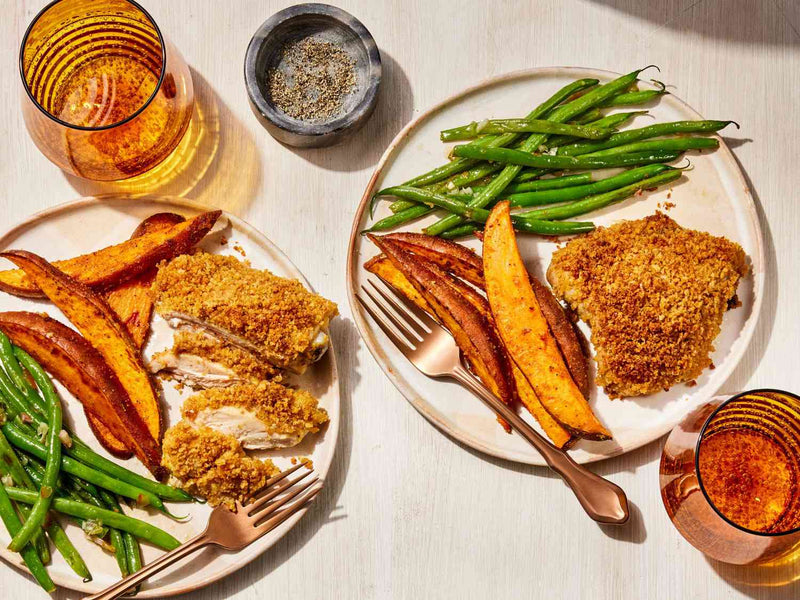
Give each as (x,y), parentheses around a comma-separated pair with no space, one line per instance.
(742,21)
(216,163)
(778,581)
(363,148)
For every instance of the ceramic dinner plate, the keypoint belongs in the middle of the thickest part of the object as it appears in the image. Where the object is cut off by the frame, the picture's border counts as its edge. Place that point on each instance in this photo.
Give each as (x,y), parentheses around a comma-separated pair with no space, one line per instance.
(713,198)
(89,224)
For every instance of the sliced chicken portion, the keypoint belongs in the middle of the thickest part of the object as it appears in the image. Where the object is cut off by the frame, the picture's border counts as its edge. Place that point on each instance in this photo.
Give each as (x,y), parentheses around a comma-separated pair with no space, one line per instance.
(203,361)
(261,416)
(275,318)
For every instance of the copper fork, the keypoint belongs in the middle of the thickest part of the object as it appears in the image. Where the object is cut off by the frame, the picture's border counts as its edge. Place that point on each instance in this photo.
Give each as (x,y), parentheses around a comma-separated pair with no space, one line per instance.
(232,530)
(432,350)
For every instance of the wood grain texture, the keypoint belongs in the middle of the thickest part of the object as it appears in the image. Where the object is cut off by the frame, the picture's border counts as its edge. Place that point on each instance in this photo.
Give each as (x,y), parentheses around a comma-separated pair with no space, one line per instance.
(407,513)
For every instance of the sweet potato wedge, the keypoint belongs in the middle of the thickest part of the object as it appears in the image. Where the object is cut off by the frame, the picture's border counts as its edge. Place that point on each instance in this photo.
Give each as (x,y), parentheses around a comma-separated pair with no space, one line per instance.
(83,371)
(525,331)
(473,333)
(101,327)
(131,299)
(383,268)
(450,256)
(466,264)
(565,335)
(132,302)
(110,266)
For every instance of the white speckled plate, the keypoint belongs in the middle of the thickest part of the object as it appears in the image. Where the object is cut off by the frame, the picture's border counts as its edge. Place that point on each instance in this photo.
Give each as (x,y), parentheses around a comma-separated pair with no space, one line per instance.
(713,198)
(89,224)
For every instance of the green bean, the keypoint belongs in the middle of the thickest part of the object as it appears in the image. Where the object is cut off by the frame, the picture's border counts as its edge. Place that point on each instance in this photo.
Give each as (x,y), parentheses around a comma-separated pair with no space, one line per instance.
(460,231)
(528,175)
(130,547)
(29,556)
(65,547)
(611,121)
(10,466)
(457,166)
(592,203)
(82,471)
(498,126)
(552,183)
(642,133)
(637,97)
(15,372)
(547,161)
(116,535)
(52,465)
(563,113)
(589,116)
(414,211)
(140,529)
(666,145)
(581,191)
(480,215)
(83,453)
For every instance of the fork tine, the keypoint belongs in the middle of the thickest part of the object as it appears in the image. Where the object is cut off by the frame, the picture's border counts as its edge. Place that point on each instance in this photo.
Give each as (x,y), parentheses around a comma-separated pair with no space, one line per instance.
(261,500)
(398,340)
(403,308)
(396,319)
(264,511)
(284,474)
(280,517)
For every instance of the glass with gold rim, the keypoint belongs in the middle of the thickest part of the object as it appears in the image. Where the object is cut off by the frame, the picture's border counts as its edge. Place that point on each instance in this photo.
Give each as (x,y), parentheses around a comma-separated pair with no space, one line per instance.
(730,477)
(106,97)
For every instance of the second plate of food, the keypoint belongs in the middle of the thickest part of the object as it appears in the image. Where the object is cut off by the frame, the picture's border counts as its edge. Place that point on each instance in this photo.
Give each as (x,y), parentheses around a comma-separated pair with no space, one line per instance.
(711,198)
(221,418)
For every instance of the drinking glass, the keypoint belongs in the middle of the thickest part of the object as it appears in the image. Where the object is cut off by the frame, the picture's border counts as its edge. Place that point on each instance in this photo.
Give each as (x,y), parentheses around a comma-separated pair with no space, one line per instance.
(106,96)
(730,477)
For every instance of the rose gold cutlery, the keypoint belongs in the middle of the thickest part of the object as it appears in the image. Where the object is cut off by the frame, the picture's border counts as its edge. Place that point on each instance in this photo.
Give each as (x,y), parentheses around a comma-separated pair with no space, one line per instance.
(232,530)
(433,351)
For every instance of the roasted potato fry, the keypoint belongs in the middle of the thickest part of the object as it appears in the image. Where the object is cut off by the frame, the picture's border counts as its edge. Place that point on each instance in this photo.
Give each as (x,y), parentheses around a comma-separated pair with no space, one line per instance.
(566,337)
(132,302)
(450,256)
(383,268)
(472,332)
(101,327)
(83,371)
(110,266)
(525,331)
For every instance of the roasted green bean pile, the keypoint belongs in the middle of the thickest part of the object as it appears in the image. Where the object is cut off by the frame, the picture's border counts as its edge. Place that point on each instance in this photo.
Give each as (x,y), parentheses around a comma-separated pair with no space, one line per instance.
(549,157)
(47,471)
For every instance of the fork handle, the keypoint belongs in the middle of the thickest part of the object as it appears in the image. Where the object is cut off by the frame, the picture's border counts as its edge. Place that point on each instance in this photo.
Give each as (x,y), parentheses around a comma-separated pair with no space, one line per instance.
(162,562)
(603,501)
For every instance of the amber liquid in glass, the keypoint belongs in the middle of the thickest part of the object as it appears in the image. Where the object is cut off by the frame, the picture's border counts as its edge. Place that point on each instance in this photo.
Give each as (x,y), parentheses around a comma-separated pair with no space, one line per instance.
(750,479)
(99,65)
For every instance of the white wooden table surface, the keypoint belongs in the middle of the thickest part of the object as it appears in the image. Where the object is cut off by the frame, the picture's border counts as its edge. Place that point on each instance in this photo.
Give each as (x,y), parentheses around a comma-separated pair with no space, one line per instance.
(407,512)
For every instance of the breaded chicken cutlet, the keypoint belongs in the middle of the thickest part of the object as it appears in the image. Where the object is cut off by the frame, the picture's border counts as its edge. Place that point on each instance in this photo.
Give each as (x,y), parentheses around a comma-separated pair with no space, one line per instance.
(653,294)
(213,465)
(277,319)
(261,416)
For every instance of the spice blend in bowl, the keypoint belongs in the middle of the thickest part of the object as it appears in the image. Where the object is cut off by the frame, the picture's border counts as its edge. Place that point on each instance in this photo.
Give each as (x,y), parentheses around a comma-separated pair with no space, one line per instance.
(312,73)
(312,80)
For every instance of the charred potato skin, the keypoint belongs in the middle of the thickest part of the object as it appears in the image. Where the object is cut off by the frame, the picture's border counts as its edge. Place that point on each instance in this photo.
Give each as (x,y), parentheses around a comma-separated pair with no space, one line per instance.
(110,266)
(473,333)
(69,358)
(133,303)
(446,254)
(101,327)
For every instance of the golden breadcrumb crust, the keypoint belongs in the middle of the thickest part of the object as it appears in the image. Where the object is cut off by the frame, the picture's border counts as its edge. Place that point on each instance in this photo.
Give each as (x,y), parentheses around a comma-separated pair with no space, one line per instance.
(654,295)
(277,314)
(213,465)
(282,410)
(245,364)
